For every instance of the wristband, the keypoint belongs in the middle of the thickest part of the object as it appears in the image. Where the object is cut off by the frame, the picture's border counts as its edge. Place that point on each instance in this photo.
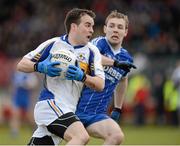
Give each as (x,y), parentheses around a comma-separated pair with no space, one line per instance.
(36,66)
(115,63)
(84,78)
(117,109)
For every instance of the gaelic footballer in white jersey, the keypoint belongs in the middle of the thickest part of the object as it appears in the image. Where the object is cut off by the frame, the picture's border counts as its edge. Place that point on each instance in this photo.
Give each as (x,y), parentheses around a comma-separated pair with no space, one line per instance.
(59,97)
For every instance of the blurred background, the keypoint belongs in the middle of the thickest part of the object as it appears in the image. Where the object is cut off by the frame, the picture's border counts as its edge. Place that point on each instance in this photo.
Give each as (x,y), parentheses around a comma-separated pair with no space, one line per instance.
(153,98)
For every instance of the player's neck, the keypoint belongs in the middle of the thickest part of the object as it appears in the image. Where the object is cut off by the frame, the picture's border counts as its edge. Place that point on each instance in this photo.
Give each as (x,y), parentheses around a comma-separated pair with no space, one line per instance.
(73,41)
(116,46)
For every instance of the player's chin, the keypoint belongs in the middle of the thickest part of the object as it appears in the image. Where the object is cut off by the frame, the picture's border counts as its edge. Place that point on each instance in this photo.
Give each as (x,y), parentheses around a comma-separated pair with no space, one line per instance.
(114,42)
(86,40)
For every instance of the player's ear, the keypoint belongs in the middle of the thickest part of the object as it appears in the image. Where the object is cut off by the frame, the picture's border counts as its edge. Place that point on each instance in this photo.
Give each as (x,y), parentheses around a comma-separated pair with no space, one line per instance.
(104,28)
(126,32)
(73,26)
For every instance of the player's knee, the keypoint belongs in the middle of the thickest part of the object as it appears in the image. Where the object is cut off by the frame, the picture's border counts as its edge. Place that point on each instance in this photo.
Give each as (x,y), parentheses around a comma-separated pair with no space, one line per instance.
(84,137)
(120,137)
(80,137)
(117,138)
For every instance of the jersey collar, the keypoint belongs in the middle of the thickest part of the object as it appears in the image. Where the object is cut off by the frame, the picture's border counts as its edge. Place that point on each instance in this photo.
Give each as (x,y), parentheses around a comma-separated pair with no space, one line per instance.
(115,51)
(65,38)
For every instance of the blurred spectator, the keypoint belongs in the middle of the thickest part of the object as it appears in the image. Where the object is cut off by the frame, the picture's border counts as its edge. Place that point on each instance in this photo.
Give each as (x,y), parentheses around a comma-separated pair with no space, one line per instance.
(154,31)
(158,82)
(23,85)
(101,10)
(139,90)
(171,96)
(176,81)
(176,76)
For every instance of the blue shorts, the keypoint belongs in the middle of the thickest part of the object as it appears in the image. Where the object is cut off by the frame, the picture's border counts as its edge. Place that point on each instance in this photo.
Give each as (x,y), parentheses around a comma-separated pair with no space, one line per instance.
(21,103)
(88,119)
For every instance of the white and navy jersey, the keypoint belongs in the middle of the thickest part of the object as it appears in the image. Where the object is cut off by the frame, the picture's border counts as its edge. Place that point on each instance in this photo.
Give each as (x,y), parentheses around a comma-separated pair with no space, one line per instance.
(66,93)
(92,102)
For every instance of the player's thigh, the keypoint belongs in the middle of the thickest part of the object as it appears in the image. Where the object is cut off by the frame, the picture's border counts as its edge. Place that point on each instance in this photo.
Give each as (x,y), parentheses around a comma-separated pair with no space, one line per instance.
(62,123)
(103,128)
(76,129)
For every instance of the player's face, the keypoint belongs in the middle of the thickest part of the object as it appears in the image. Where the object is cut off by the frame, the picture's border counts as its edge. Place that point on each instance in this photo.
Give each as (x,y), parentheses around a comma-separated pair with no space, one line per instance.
(84,30)
(115,31)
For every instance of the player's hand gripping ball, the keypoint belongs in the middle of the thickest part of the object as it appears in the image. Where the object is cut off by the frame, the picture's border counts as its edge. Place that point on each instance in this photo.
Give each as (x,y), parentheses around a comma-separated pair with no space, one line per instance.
(66,58)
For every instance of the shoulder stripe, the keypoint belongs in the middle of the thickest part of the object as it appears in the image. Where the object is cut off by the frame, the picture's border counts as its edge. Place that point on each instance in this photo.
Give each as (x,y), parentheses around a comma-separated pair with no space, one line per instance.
(43,54)
(95,40)
(91,63)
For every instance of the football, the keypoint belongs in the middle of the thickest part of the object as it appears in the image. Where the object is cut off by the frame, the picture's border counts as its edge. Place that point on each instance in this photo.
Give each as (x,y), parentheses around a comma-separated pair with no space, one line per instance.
(66,58)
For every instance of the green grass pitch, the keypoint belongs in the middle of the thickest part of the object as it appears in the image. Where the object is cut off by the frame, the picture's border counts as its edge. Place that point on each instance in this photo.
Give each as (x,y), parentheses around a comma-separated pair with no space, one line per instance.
(145,135)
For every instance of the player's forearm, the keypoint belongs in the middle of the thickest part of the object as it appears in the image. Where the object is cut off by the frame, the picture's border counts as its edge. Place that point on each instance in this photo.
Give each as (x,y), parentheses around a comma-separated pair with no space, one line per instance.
(25,65)
(95,83)
(120,93)
(107,61)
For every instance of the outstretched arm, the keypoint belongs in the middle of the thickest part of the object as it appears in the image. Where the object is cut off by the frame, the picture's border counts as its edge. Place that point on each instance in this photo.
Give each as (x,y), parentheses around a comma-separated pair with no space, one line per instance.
(125,65)
(119,96)
(120,93)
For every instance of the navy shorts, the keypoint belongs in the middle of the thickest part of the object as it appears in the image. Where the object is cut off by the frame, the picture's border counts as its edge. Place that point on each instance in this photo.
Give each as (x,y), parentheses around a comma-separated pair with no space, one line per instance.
(88,119)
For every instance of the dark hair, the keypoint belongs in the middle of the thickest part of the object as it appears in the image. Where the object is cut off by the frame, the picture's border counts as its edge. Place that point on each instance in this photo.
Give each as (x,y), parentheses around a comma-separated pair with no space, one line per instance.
(116,14)
(74,16)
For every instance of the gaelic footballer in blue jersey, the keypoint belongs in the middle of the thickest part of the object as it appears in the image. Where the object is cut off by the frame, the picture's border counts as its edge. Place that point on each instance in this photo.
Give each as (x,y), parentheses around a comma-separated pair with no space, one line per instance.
(23,85)
(92,106)
(54,113)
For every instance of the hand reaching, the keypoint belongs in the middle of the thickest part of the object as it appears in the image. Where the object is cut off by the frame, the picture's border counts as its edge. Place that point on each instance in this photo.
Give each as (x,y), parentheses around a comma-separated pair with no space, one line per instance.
(48,67)
(75,73)
(115,114)
(125,65)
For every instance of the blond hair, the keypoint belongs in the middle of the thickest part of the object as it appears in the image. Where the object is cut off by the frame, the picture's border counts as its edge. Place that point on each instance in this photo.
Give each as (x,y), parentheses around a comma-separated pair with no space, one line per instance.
(116,14)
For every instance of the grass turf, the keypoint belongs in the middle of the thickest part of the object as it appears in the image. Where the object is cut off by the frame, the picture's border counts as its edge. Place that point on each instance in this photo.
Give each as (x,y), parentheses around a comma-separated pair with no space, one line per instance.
(144,135)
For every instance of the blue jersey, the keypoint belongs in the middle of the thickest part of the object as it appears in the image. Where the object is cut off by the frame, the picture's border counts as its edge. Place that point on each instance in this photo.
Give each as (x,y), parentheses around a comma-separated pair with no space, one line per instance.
(22,92)
(93,102)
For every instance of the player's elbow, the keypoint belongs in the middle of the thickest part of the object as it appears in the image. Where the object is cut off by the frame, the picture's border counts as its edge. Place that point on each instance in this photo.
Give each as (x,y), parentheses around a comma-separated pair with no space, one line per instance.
(100,85)
(25,65)
(18,67)
(95,83)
